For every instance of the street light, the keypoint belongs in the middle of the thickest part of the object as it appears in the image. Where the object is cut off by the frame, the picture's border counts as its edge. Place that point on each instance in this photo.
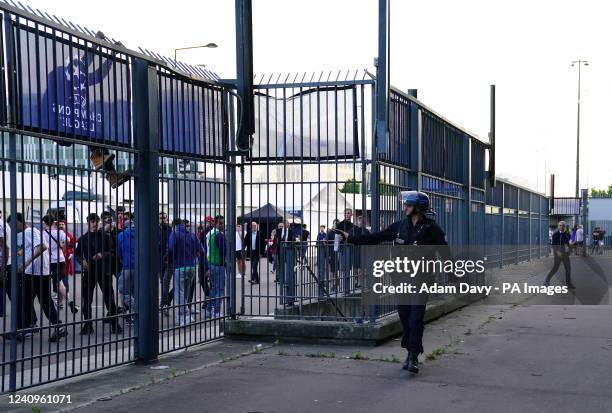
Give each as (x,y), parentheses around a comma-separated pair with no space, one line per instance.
(205,46)
(578,63)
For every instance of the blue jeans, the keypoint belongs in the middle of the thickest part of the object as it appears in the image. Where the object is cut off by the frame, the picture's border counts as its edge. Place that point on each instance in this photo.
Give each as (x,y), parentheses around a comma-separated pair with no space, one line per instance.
(217,290)
(183,281)
(125,284)
(322,272)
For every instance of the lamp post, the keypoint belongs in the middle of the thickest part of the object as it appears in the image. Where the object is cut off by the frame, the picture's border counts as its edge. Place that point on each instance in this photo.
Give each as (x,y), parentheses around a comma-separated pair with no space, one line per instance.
(204,46)
(578,63)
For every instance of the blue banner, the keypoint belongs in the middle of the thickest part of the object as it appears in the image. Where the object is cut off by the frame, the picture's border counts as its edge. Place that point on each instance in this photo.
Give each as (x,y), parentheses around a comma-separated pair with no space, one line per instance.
(68,87)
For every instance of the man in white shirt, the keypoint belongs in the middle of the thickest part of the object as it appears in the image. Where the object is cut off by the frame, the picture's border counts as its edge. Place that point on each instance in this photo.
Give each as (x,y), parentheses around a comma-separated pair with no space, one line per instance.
(56,240)
(240,259)
(5,243)
(37,276)
(580,240)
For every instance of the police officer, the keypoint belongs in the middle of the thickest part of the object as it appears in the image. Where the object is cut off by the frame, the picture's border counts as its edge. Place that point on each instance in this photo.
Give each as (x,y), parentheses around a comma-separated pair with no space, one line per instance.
(414,229)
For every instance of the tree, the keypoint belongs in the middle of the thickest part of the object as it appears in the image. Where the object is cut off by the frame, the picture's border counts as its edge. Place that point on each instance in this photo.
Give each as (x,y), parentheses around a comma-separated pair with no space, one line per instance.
(353,187)
(602,193)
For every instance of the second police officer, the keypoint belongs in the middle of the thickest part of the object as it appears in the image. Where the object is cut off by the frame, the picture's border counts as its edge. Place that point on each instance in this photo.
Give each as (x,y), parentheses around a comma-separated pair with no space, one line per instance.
(415,229)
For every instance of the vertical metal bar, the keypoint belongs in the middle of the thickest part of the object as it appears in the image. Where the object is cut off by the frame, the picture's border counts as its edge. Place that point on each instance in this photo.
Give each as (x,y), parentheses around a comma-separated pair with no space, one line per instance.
(467,170)
(492,139)
(231,213)
(382,75)
(414,142)
(10,116)
(580,62)
(146,138)
(382,99)
(518,226)
(529,252)
(503,226)
(244,71)
(585,216)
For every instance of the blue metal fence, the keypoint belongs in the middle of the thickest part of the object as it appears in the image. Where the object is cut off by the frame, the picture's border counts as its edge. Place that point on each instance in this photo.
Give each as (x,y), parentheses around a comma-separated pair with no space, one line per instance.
(515,231)
(89,128)
(71,95)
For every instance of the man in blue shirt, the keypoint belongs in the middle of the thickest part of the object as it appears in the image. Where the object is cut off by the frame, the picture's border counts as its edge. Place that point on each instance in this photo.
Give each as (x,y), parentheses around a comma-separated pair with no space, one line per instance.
(561,252)
(126,247)
(184,252)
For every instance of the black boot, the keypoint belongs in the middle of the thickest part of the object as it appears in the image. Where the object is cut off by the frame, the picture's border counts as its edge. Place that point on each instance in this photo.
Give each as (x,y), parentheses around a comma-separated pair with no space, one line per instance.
(412,362)
(87,329)
(58,334)
(116,328)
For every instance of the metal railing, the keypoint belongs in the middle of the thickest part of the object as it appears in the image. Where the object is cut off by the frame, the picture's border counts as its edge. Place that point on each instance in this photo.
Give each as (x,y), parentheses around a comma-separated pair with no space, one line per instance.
(147,143)
(291,180)
(97,141)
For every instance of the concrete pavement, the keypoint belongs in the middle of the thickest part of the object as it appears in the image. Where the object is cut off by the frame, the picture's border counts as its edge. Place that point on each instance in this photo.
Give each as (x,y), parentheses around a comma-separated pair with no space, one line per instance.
(526,358)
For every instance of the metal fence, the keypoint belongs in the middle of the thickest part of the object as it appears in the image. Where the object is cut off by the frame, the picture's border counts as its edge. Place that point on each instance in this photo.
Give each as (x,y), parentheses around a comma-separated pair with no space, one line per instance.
(308,165)
(517,224)
(311,168)
(93,135)
(91,129)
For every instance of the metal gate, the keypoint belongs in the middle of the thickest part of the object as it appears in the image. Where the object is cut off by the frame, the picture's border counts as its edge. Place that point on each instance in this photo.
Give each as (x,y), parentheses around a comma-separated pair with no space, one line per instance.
(101,147)
(308,167)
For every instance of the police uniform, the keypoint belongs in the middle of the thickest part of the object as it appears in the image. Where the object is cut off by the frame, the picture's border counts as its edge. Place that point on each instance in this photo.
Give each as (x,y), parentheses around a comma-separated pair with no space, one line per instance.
(425,232)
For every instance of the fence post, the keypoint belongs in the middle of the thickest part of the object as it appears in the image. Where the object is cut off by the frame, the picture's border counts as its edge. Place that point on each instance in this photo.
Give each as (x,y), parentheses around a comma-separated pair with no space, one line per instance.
(518,226)
(231,211)
(10,120)
(540,232)
(467,170)
(146,141)
(415,142)
(529,211)
(584,211)
(503,226)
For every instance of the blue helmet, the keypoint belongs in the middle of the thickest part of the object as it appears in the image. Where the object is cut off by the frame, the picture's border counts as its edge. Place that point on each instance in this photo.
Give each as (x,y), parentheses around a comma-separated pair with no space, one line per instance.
(419,200)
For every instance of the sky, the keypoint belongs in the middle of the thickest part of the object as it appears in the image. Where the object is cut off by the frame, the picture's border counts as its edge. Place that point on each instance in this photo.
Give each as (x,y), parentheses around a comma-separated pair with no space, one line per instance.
(451,51)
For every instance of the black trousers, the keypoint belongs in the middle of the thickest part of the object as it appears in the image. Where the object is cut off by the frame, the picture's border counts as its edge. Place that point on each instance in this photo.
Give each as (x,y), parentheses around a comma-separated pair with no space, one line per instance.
(57,274)
(35,286)
(88,286)
(22,319)
(413,325)
(255,266)
(564,258)
(204,284)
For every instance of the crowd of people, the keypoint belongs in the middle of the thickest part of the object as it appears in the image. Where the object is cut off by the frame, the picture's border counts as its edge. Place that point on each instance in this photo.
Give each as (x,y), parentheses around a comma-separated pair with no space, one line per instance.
(49,257)
(335,260)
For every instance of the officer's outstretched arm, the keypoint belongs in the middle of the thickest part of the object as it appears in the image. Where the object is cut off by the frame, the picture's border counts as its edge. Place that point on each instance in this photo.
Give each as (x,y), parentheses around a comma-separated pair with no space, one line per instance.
(375,238)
